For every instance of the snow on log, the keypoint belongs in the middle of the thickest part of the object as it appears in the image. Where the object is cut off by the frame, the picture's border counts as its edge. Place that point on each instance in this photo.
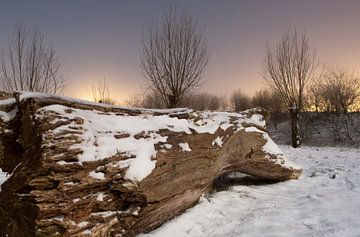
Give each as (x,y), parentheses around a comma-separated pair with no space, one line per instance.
(75,168)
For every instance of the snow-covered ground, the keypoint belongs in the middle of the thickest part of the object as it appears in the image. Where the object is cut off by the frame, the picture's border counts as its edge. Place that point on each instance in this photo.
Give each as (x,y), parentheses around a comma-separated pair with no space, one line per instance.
(324,201)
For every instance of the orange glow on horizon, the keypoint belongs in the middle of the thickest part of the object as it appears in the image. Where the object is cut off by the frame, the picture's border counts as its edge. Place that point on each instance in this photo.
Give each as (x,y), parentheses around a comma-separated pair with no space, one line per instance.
(86,95)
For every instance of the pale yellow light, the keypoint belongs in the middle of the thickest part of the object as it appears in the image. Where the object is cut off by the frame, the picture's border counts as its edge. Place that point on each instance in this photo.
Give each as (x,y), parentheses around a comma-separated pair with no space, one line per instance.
(84,95)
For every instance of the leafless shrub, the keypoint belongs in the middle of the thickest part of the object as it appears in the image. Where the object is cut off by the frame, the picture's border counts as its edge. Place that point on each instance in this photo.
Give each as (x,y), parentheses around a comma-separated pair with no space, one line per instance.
(29,65)
(340,90)
(147,99)
(100,92)
(269,100)
(240,101)
(204,101)
(153,99)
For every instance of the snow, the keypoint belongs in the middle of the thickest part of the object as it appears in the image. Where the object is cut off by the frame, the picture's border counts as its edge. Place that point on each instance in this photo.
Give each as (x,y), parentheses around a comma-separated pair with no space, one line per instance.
(100,197)
(212,120)
(76,200)
(184,146)
(86,232)
(82,224)
(271,147)
(97,175)
(7,116)
(167,146)
(57,218)
(105,214)
(3,177)
(324,201)
(142,165)
(259,119)
(8,101)
(218,141)
(98,141)
(136,212)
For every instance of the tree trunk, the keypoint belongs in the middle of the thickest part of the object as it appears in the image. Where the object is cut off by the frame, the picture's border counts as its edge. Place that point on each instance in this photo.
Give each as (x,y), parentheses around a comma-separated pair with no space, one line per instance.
(295,131)
(173,102)
(58,188)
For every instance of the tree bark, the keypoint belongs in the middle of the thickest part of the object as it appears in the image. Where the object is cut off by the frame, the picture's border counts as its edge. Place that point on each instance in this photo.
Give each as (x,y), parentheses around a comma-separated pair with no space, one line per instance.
(295,131)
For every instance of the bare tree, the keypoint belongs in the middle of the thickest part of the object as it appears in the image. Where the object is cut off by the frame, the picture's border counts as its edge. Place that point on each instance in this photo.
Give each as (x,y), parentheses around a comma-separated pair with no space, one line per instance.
(272,101)
(314,99)
(287,69)
(100,92)
(29,65)
(174,56)
(340,89)
(240,101)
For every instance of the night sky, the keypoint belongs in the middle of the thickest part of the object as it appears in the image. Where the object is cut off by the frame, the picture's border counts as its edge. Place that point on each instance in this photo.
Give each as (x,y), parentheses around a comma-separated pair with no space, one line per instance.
(96,39)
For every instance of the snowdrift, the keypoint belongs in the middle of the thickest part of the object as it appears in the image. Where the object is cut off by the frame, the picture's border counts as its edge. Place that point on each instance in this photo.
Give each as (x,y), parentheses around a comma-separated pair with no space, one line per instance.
(75,168)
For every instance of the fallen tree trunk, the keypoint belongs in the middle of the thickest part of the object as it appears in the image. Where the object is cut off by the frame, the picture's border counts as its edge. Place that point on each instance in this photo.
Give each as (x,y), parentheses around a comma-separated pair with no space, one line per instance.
(82,169)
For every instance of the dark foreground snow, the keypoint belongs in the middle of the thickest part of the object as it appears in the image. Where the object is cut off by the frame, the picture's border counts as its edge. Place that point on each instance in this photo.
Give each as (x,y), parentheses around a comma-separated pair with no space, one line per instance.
(324,201)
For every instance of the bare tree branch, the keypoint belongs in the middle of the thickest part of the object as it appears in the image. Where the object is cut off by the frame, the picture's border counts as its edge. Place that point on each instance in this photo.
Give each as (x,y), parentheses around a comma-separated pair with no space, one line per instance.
(100,92)
(339,90)
(29,65)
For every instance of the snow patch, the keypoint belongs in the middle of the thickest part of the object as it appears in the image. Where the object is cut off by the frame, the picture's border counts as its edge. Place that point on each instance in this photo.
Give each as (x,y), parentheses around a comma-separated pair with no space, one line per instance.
(100,197)
(4,176)
(259,119)
(218,141)
(86,232)
(271,148)
(82,224)
(97,175)
(76,200)
(136,212)
(105,214)
(57,218)
(7,116)
(8,101)
(167,146)
(184,146)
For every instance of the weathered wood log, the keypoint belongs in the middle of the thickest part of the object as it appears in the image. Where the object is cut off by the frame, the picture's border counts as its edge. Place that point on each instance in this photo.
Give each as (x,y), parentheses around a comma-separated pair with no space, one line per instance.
(85,169)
